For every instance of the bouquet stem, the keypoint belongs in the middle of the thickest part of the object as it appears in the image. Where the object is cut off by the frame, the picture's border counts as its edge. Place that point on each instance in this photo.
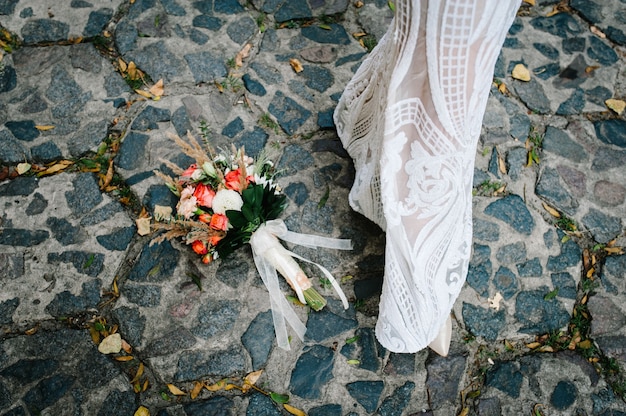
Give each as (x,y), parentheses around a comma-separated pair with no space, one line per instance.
(314,299)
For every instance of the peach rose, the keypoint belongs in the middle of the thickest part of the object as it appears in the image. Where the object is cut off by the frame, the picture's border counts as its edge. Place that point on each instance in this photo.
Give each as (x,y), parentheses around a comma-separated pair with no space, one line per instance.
(204,195)
(219,222)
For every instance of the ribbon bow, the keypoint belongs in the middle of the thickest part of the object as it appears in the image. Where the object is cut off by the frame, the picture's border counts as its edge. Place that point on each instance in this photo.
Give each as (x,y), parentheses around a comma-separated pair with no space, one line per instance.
(270,256)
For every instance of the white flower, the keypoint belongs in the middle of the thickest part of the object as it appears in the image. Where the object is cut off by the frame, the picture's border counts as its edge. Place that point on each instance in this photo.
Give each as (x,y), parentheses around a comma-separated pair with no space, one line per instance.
(209,169)
(197,174)
(227,199)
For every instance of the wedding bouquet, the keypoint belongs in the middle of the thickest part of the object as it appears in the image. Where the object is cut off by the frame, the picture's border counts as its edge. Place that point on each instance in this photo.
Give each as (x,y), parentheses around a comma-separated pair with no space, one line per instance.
(227,200)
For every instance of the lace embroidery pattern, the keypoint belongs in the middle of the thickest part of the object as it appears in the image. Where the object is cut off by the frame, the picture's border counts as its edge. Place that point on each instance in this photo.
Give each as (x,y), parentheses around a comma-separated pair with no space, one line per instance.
(410,119)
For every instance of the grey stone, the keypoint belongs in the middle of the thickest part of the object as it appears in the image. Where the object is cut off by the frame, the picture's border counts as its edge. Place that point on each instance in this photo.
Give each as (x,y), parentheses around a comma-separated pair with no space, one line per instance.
(131,323)
(325,119)
(132,150)
(289,114)
(125,36)
(47,392)
(29,370)
(335,35)
(324,325)
(489,407)
(564,395)
(242,29)
(44,30)
(233,271)
(601,52)
(259,338)
(253,86)
(573,45)
(547,50)
(318,78)
(611,131)
(299,88)
(196,365)
(12,151)
(98,19)
(539,315)
(295,9)
(144,295)
(530,268)
(312,371)
(559,142)
(198,36)
(297,192)
(532,95)
(609,193)
(319,54)
(395,404)
(479,271)
(157,61)
(573,105)
(20,186)
(233,128)
(614,266)
(505,282)
(88,138)
(69,108)
(575,180)
(149,118)
(101,214)
(64,232)
(180,120)
(294,159)
(604,159)
(206,67)
(95,370)
(172,8)
(63,87)
(215,406)
(516,160)
(355,57)
(520,126)
(119,403)
(178,340)
(7,308)
(23,130)
(560,24)
(568,257)
(326,410)
(551,189)
(262,405)
(565,284)
(512,210)
(115,85)
(483,322)
(35,104)
(267,73)
(11,266)
(442,380)
(65,303)
(574,74)
(85,195)
(83,261)
(253,141)
(159,195)
(215,318)
(511,253)
(46,152)
(228,7)
(22,238)
(8,78)
(207,22)
(506,377)
(603,227)
(156,263)
(37,205)
(7,7)
(366,393)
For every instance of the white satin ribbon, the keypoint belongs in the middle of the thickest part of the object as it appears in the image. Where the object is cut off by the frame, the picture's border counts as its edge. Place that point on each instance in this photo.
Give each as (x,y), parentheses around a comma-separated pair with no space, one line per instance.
(269,255)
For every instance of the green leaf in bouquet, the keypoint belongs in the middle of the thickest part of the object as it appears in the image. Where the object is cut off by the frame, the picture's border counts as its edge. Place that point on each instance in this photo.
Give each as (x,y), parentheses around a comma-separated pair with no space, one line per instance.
(236,218)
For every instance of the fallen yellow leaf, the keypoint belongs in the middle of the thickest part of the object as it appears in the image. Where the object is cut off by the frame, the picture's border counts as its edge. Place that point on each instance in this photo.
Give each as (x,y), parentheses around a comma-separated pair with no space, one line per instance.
(501,164)
(502,88)
(520,72)
(57,167)
(293,410)
(157,89)
(122,65)
(197,388)
(217,386)
(243,54)
(45,127)
(551,210)
(597,32)
(142,411)
(591,68)
(614,250)
(251,379)
(616,105)
(358,4)
(143,226)
(296,65)
(138,374)
(143,93)
(131,71)
(22,168)
(585,345)
(175,390)
(124,358)
(533,345)
(531,2)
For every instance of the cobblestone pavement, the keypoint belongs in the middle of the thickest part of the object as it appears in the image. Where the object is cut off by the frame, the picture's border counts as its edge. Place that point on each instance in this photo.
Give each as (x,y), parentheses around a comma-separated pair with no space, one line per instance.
(540,327)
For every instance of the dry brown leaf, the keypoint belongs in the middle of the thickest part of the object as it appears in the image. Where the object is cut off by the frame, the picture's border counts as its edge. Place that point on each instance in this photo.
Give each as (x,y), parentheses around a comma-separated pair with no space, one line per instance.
(138,374)
(616,105)
(531,2)
(111,344)
(219,86)
(124,358)
(597,32)
(231,387)
(585,345)
(359,35)
(143,226)
(32,330)
(146,383)
(157,89)
(590,273)
(358,4)
(501,164)
(144,93)
(296,65)
(293,410)
(175,390)
(520,72)
(502,88)
(251,379)
(109,176)
(122,65)
(197,388)
(22,168)
(546,348)
(142,411)
(464,412)
(57,167)
(591,68)
(95,335)
(125,345)
(533,345)
(551,210)
(614,250)
(243,54)
(555,10)
(45,127)
(131,71)
(217,386)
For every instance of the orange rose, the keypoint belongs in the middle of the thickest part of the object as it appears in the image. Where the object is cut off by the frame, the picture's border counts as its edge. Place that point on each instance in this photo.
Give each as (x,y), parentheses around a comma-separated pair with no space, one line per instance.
(205,218)
(204,195)
(199,247)
(213,240)
(190,170)
(219,222)
(235,181)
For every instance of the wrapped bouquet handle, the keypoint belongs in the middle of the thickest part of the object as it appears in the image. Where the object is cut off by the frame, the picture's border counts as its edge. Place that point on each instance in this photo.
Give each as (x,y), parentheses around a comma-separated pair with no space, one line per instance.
(270,256)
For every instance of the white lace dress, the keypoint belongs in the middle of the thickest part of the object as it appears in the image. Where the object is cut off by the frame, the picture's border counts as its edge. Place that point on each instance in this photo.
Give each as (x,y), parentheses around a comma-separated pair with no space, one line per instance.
(410,118)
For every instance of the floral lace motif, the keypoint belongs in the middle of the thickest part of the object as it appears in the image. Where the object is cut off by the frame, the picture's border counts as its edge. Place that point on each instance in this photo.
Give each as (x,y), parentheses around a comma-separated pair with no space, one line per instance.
(410,118)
